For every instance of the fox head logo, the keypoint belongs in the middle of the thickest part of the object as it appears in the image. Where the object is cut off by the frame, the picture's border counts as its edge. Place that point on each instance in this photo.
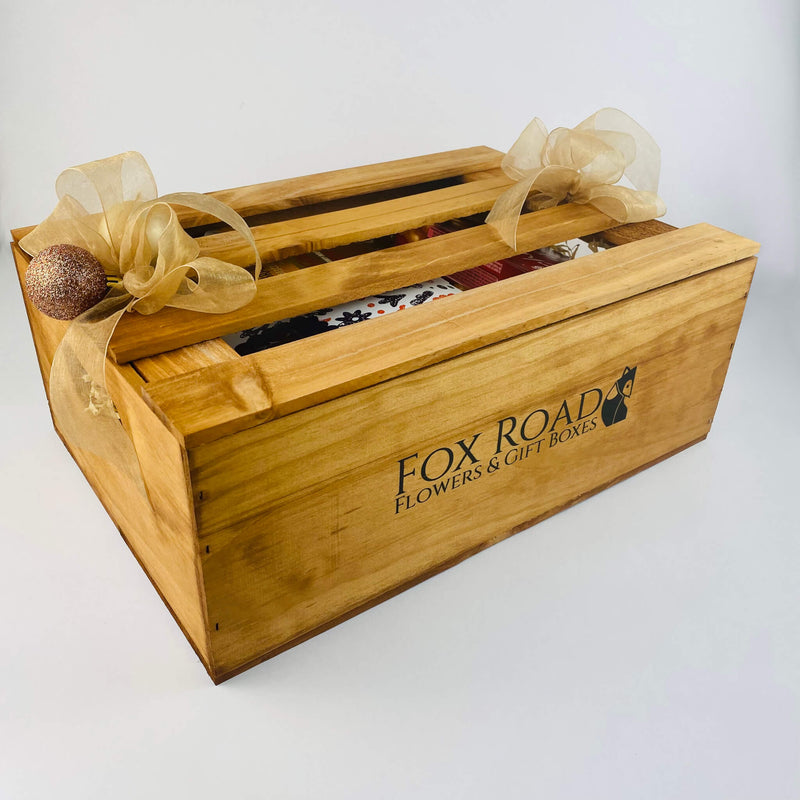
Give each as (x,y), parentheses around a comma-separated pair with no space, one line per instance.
(614,409)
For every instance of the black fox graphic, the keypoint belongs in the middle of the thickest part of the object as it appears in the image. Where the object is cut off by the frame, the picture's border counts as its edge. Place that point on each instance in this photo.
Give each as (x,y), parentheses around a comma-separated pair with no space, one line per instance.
(614,409)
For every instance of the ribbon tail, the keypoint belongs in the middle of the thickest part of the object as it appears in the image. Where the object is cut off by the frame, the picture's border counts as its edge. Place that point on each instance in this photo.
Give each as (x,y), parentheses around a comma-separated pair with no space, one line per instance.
(81,406)
(626,205)
(217,287)
(504,216)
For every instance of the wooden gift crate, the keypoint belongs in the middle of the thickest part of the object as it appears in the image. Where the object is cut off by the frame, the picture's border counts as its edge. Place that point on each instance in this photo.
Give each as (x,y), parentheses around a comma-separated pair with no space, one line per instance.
(297,486)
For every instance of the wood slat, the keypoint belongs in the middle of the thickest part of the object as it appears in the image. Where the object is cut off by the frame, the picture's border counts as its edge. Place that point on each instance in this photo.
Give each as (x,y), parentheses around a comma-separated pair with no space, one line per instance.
(318,287)
(634,231)
(297,236)
(260,198)
(185,359)
(469,177)
(319,188)
(213,402)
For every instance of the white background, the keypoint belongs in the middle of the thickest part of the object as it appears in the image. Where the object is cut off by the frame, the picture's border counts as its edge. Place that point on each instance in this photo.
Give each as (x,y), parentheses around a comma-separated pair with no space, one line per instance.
(645,644)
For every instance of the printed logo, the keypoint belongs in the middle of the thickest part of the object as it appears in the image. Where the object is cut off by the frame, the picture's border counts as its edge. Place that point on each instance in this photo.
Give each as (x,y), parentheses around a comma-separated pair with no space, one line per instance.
(614,408)
(422,477)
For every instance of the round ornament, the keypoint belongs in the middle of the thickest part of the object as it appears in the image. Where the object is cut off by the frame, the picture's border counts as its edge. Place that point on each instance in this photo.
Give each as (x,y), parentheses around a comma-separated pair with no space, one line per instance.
(64,280)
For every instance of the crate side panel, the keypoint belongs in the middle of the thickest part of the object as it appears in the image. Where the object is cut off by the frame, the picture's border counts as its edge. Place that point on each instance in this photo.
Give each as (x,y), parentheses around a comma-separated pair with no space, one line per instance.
(323,525)
(167,544)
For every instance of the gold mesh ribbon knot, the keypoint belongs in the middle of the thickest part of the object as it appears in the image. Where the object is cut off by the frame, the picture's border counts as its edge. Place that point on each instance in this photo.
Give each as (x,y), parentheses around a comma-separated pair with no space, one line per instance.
(581,165)
(111,208)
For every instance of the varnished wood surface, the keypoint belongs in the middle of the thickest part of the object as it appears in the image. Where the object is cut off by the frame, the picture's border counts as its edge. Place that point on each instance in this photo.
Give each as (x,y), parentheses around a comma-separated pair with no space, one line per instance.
(237,394)
(161,532)
(311,448)
(349,182)
(294,237)
(223,675)
(186,359)
(633,232)
(320,536)
(318,287)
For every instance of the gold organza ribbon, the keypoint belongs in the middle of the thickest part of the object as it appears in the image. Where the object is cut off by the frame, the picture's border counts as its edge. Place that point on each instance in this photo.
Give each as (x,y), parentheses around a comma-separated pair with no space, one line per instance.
(581,165)
(111,208)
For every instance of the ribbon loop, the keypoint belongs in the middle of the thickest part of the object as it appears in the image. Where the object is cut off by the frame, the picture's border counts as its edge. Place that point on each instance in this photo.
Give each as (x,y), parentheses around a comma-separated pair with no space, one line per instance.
(582,165)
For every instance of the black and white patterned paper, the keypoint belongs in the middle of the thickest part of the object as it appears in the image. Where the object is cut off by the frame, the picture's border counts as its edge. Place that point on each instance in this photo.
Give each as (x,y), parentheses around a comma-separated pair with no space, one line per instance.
(290,330)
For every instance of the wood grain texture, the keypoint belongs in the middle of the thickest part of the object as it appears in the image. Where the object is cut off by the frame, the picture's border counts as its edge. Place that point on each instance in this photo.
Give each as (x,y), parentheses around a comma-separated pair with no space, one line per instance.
(468,177)
(294,237)
(186,359)
(162,532)
(634,231)
(315,533)
(222,675)
(318,287)
(239,394)
(352,181)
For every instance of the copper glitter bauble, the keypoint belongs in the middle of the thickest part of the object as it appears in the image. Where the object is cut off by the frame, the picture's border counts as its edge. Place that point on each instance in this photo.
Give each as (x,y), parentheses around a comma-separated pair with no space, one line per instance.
(63,281)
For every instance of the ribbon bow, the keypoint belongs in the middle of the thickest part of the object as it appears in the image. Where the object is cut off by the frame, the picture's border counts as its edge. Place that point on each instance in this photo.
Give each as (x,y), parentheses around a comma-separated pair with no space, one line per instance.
(111,208)
(581,165)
